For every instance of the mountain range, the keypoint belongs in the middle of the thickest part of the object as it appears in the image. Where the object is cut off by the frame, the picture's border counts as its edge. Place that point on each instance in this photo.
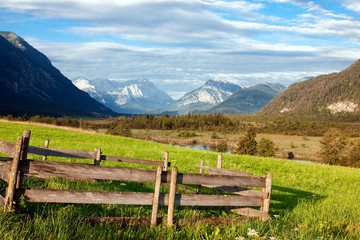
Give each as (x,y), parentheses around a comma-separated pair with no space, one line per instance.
(329,94)
(213,92)
(249,100)
(132,97)
(31,84)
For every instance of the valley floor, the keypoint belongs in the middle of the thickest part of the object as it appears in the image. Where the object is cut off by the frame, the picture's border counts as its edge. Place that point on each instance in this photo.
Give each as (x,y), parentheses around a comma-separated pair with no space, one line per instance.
(304,148)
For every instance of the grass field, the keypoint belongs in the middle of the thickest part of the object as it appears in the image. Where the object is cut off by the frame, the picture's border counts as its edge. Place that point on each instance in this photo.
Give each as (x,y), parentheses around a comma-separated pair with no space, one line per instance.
(309,201)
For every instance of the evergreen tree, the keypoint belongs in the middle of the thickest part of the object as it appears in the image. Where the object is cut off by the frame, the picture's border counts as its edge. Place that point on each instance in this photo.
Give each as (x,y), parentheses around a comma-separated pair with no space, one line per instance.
(247,144)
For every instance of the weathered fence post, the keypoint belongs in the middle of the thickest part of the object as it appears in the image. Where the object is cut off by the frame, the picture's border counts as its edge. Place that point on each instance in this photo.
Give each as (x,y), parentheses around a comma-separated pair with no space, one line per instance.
(10,191)
(97,159)
(219,165)
(267,190)
(166,161)
(170,220)
(23,156)
(155,205)
(46,145)
(201,172)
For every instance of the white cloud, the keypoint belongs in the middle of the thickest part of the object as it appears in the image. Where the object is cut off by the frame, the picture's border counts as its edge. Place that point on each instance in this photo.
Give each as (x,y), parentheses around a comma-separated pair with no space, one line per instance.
(179,44)
(353,5)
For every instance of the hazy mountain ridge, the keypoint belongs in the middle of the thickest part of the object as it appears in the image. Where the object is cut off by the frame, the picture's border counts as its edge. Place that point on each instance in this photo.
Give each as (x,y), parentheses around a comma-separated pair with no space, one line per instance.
(133,96)
(331,93)
(249,100)
(31,84)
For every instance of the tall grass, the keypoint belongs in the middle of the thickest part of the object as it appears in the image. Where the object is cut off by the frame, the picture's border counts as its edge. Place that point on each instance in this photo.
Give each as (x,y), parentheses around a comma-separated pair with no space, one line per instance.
(308,201)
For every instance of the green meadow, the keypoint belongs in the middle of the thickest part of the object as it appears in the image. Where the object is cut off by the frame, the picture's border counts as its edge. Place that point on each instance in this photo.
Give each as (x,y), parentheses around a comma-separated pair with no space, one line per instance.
(308,201)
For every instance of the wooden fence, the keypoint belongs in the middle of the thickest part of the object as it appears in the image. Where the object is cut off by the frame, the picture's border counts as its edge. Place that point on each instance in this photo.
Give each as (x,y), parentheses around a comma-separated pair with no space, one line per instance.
(12,170)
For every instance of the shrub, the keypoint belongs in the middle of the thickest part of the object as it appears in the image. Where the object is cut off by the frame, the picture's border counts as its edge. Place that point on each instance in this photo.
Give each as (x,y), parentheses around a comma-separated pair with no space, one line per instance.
(120,129)
(266,148)
(222,147)
(333,147)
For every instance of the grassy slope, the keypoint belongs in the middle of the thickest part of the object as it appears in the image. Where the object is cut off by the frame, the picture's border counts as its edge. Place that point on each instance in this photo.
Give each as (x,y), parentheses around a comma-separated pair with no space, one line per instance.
(308,200)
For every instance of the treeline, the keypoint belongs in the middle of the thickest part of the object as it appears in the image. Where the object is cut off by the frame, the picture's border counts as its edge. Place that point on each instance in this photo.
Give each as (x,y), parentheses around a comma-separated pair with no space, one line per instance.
(195,122)
(288,124)
(61,121)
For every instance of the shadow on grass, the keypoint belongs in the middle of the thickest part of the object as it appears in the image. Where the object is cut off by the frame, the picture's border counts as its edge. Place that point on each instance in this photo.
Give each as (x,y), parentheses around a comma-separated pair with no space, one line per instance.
(283,198)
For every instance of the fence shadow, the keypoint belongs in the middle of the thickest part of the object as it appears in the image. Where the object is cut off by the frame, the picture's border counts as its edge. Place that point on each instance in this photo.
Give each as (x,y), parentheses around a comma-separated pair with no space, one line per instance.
(283,198)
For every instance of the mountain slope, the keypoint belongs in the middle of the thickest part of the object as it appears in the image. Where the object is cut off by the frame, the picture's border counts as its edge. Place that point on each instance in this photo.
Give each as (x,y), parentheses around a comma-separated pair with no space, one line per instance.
(31,84)
(135,96)
(210,94)
(249,100)
(332,93)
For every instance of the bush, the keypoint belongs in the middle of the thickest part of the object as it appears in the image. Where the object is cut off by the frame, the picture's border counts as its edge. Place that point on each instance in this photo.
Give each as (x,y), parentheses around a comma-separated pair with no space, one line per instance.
(186,134)
(333,147)
(120,129)
(266,148)
(222,147)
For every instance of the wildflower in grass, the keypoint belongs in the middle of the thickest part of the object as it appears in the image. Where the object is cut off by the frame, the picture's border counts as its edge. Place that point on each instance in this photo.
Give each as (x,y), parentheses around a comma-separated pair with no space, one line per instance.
(273,238)
(239,238)
(252,232)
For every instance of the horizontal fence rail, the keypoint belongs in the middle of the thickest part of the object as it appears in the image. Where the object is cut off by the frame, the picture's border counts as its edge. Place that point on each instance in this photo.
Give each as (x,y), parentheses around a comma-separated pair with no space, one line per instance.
(134,198)
(79,171)
(236,182)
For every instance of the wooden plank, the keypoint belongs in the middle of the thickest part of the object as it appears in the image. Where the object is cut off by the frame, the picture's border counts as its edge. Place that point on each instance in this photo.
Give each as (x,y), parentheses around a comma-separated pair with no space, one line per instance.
(216,200)
(10,192)
(131,160)
(201,172)
(166,161)
(131,198)
(23,156)
(172,193)
(97,154)
(219,166)
(26,141)
(5,159)
(224,180)
(86,197)
(48,169)
(46,145)
(267,190)
(219,163)
(7,148)
(222,171)
(250,212)
(2,201)
(155,203)
(57,152)
(4,171)
(240,191)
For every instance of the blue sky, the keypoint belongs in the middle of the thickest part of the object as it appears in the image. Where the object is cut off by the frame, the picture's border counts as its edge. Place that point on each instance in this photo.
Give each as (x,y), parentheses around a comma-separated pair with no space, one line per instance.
(180,44)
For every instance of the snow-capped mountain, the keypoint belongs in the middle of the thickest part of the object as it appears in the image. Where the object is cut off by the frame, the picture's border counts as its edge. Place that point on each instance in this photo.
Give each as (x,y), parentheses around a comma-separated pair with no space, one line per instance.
(135,96)
(249,100)
(213,92)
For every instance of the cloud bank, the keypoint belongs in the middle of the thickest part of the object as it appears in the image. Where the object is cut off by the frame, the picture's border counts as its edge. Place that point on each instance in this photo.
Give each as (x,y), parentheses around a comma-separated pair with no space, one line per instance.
(180,44)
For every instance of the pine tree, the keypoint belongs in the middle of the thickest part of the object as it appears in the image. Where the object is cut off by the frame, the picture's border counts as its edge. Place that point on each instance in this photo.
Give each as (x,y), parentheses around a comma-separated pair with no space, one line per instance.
(247,144)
